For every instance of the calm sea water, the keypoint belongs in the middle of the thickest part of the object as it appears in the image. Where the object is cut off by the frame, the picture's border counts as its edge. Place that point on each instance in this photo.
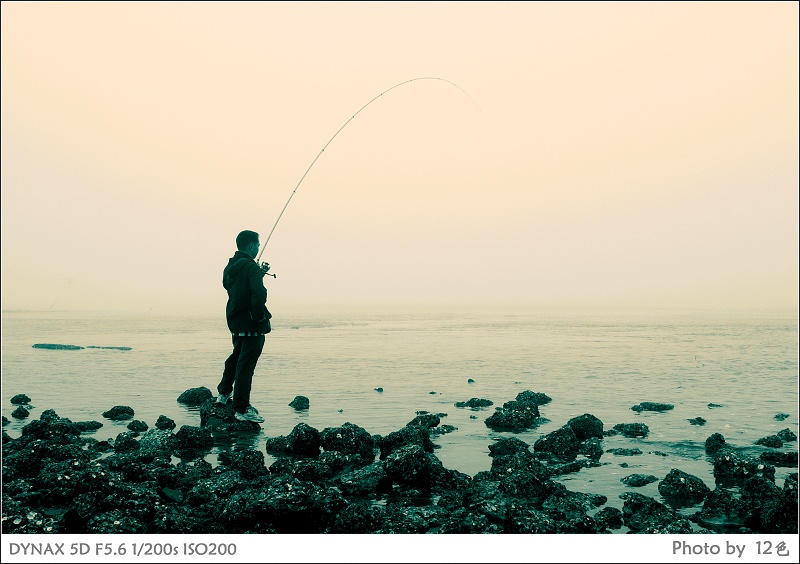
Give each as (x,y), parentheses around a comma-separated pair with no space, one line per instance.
(587,363)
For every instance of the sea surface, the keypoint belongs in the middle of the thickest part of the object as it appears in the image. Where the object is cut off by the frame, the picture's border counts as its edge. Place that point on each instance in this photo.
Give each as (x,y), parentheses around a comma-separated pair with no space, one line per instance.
(736,370)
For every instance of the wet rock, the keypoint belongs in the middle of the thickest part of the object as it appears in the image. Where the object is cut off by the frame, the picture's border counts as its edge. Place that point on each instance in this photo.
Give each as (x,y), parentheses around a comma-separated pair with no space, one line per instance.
(56,347)
(508,445)
(299,403)
(714,443)
(609,517)
(5,421)
(348,439)
(530,521)
(591,448)
(781,416)
(249,463)
(222,418)
(733,468)
(413,435)
(536,398)
(359,518)
(195,396)
(782,459)
(124,442)
(632,429)
(410,465)
(425,420)
(190,439)
(365,481)
(303,469)
(20,399)
(443,430)
(562,442)
(164,423)
(20,413)
(772,441)
(697,421)
(638,480)
(303,440)
(682,488)
(573,505)
(786,435)
(119,413)
(714,405)
(641,513)
(624,451)
(379,390)
(586,426)
(137,426)
(652,406)
(85,426)
(468,522)
(474,403)
(157,443)
(407,520)
(514,416)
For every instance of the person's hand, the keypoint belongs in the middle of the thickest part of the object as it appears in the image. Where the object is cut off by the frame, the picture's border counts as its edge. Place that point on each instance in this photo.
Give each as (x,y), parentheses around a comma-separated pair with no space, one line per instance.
(264,267)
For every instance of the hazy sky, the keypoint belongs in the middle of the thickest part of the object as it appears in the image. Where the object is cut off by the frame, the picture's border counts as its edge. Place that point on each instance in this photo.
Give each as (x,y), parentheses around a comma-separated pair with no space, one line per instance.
(616,155)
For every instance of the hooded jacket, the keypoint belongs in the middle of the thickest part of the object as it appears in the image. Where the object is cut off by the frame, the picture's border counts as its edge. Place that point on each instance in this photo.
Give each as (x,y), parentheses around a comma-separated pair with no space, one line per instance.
(246,310)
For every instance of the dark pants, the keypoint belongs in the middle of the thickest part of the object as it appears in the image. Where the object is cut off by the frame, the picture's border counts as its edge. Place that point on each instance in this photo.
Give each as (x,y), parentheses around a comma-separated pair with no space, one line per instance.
(239,368)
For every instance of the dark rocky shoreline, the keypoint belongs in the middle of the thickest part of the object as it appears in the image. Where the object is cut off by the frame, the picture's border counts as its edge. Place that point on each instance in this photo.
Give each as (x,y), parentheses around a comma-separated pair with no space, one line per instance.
(56,479)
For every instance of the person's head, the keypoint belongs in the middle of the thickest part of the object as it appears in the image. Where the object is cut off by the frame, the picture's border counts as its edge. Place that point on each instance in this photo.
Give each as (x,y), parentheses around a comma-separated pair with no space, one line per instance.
(247,242)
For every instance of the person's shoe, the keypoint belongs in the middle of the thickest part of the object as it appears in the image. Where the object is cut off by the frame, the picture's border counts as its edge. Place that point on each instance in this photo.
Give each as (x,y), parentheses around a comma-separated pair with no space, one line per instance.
(249,415)
(223,398)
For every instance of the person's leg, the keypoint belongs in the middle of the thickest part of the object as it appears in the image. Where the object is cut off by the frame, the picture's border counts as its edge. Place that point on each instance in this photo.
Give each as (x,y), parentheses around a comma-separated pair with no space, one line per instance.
(248,357)
(225,385)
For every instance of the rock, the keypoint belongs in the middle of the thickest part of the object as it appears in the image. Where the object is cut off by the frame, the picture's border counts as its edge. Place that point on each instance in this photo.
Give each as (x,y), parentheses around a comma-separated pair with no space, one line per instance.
(195,396)
(624,451)
(782,459)
(714,443)
(638,480)
(641,513)
(303,440)
(84,426)
(652,406)
(772,441)
(683,487)
(536,398)
(299,403)
(470,381)
(733,468)
(157,442)
(714,405)
(508,445)
(786,435)
(426,420)
(406,436)
(119,413)
(586,426)
(249,462)
(513,416)
(379,390)
(222,418)
(20,413)
(189,438)
(365,481)
(410,465)
(57,347)
(20,399)
(5,421)
(781,416)
(632,429)
(164,423)
(137,426)
(697,421)
(562,442)
(348,439)
(125,442)
(474,403)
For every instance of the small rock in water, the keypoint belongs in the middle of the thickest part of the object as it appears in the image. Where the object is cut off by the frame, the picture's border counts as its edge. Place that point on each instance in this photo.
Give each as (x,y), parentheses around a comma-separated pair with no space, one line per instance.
(110,348)
(652,406)
(638,480)
(379,390)
(138,426)
(52,346)
(697,421)
(119,413)
(299,403)
(20,399)
(164,423)
(713,405)
(20,413)
(470,381)
(786,435)
(474,403)
(195,396)
(781,416)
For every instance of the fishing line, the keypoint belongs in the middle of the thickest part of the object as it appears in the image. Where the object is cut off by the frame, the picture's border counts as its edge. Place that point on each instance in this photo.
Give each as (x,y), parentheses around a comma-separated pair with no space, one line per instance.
(263,248)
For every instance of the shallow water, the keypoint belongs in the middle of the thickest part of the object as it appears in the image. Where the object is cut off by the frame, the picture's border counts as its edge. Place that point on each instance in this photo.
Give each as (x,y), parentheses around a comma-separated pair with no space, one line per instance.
(587,363)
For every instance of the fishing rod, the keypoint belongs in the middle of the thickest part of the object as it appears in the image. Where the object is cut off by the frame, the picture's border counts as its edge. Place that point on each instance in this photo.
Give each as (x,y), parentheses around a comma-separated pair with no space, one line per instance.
(265,265)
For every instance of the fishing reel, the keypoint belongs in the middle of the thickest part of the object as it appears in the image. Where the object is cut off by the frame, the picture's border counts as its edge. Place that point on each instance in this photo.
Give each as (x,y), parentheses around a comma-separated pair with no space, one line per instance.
(265,269)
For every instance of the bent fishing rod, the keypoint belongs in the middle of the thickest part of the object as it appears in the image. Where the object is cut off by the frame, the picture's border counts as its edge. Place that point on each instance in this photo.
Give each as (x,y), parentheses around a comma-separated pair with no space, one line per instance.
(265,266)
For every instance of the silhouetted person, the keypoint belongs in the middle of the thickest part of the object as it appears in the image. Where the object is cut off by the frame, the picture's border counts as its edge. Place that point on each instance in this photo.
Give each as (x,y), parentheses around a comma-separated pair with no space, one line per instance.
(248,321)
